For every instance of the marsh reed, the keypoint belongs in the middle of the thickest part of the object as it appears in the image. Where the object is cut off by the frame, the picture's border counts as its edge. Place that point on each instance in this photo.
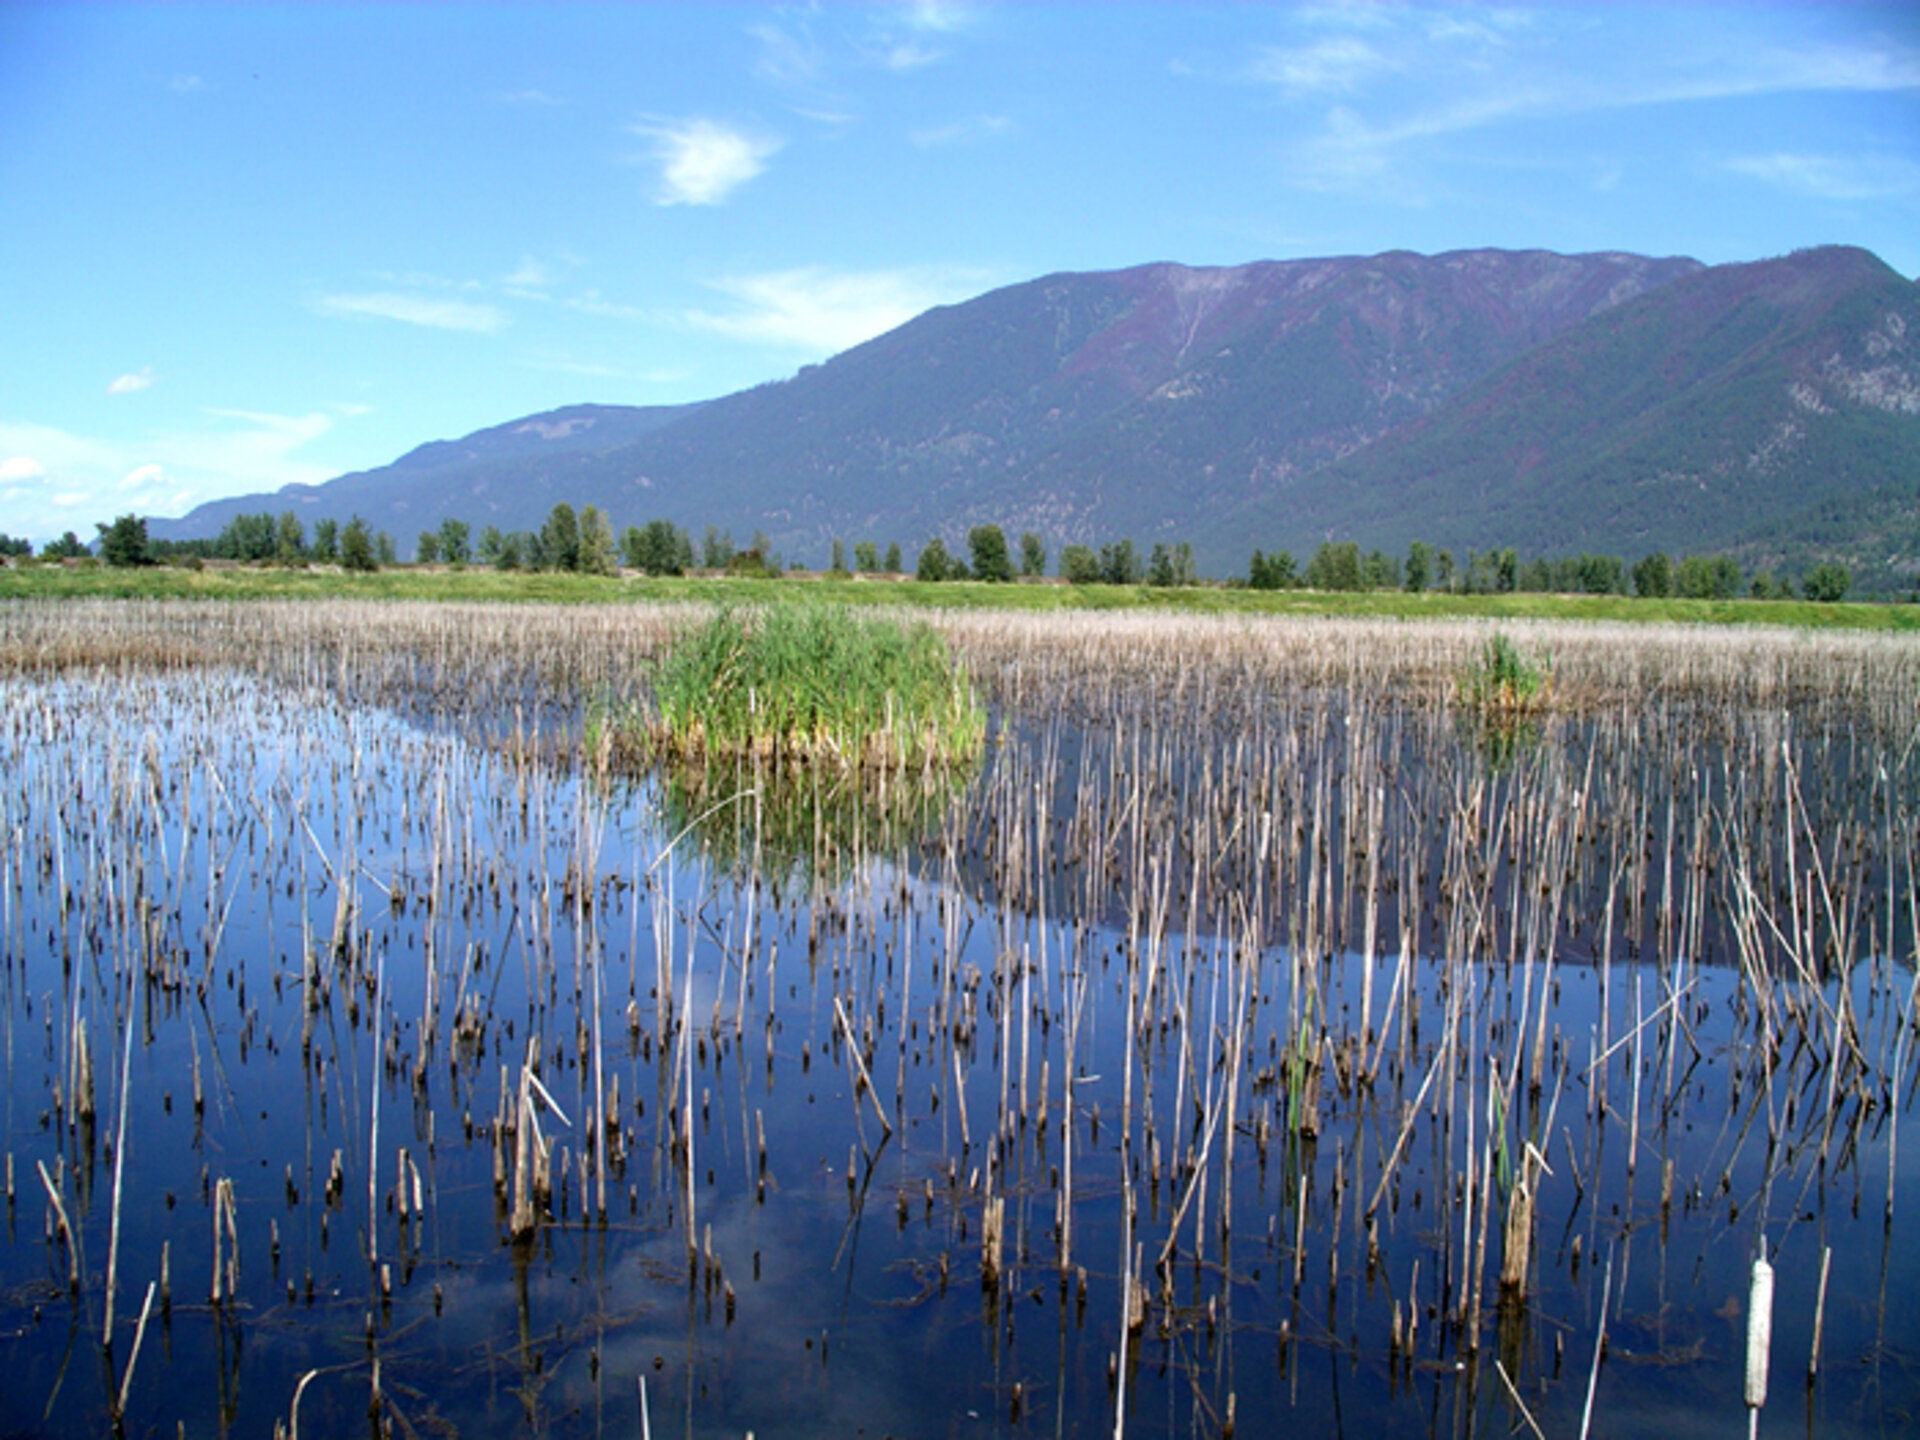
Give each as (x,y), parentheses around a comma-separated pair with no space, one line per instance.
(1245,951)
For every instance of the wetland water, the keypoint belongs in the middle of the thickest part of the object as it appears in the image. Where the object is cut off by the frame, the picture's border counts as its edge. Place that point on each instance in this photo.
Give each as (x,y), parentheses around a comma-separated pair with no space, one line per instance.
(1253,1043)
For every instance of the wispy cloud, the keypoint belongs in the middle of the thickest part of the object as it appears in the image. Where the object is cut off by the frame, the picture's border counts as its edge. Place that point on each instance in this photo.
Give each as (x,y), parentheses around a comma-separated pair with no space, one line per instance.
(820,312)
(1832,177)
(1407,75)
(564,364)
(530,96)
(941,17)
(185,84)
(431,311)
(912,36)
(974,127)
(786,57)
(701,161)
(592,302)
(56,480)
(132,381)
(1338,63)
(529,274)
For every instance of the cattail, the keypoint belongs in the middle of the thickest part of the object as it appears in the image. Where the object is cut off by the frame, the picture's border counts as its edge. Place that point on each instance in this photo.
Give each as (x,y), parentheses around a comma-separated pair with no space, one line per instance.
(1759,1339)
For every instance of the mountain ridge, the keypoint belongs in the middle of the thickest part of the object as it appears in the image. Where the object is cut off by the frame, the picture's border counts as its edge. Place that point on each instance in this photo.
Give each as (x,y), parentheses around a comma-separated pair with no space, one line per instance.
(1259,405)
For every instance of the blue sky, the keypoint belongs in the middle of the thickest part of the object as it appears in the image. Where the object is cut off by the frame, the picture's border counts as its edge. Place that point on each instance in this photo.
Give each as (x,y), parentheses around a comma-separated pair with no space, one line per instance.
(245,244)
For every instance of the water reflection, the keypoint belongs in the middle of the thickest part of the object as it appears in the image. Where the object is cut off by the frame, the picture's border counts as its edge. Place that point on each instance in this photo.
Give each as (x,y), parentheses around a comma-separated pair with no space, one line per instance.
(796,828)
(986,1110)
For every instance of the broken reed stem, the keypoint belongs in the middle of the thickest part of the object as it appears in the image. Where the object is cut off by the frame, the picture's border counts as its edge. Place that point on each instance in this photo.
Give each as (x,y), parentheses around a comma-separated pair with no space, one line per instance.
(119,1166)
(1819,1315)
(139,1334)
(866,1081)
(1525,1414)
(1599,1348)
(66,1228)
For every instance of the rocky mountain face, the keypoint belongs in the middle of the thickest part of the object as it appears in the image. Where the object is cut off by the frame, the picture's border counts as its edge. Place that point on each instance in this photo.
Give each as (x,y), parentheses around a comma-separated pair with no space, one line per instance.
(1603,401)
(1729,410)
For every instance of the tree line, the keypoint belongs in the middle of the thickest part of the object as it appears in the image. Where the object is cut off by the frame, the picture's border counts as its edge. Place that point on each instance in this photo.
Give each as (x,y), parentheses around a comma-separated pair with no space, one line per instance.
(1340,565)
(584,542)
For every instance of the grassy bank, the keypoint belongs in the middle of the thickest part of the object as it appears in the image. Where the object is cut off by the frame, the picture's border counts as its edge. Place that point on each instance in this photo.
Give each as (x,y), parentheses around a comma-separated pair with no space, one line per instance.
(410,583)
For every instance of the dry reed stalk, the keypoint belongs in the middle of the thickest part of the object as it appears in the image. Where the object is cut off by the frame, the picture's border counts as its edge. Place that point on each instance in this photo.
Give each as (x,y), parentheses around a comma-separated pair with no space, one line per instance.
(1819,1314)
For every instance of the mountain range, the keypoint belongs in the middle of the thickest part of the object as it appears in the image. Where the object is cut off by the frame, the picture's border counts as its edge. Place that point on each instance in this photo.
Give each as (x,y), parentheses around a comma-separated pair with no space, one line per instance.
(1554,403)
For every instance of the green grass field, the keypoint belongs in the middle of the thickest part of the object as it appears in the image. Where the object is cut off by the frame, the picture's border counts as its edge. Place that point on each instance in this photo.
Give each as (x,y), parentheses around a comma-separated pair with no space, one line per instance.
(411,583)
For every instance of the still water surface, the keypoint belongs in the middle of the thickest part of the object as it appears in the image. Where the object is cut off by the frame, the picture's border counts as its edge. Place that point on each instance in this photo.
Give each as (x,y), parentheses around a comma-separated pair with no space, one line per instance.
(312,948)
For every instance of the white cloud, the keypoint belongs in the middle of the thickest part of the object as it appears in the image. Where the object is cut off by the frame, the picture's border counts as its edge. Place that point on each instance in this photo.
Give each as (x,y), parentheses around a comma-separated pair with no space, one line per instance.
(437,314)
(77,478)
(974,127)
(530,97)
(130,382)
(1832,177)
(185,84)
(142,476)
(821,312)
(701,161)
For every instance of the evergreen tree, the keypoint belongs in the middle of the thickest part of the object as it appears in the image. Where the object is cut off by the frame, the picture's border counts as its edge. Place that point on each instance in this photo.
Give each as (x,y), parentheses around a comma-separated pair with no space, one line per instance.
(1272,572)
(1653,576)
(891,565)
(426,550)
(866,556)
(594,552)
(326,541)
(988,546)
(1379,571)
(933,563)
(1827,583)
(454,548)
(657,548)
(1079,565)
(289,539)
(560,539)
(356,547)
(1419,566)
(1119,565)
(1335,565)
(124,542)
(1033,556)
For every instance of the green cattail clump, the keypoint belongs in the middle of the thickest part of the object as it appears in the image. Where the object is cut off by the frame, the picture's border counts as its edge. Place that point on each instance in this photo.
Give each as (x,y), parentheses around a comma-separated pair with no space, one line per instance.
(1504,682)
(813,684)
